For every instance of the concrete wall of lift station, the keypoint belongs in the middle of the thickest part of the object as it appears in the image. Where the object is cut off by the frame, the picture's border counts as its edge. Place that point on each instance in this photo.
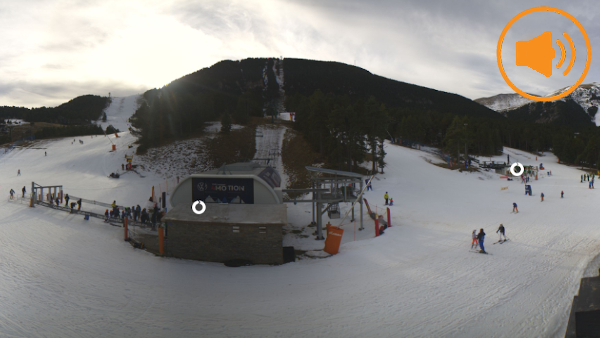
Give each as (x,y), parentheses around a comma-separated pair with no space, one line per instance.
(251,232)
(227,232)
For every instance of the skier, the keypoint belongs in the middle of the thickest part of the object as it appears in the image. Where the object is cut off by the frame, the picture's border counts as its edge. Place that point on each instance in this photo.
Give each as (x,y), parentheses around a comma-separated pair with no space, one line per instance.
(391,202)
(480,238)
(114,204)
(501,233)
(105,215)
(474,243)
(66,200)
(72,206)
(515,209)
(581,179)
(24,191)
(562,194)
(79,204)
(57,201)
(542,195)
(386,196)
(19,172)
(45,153)
(138,210)
(12,194)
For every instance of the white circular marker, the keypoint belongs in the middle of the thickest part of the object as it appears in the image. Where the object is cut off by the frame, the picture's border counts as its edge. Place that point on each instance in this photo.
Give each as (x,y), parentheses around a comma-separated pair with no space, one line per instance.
(512,169)
(196,210)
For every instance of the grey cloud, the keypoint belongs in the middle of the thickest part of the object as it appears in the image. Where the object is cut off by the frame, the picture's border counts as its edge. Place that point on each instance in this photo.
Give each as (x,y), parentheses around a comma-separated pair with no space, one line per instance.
(56,93)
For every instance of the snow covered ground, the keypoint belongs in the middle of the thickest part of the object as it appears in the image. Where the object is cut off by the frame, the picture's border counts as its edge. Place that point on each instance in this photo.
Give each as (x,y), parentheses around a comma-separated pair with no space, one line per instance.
(61,276)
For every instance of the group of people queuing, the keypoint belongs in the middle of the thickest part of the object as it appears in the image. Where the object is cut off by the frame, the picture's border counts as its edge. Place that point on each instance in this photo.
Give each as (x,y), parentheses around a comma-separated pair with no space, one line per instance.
(589,178)
(80,141)
(135,213)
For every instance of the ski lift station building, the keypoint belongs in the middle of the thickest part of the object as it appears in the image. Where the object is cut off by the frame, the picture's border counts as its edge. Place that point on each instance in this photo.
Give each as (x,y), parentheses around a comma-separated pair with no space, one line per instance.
(243,219)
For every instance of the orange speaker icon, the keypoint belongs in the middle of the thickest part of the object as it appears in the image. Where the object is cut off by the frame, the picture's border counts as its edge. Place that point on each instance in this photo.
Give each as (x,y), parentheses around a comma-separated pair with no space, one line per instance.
(538,54)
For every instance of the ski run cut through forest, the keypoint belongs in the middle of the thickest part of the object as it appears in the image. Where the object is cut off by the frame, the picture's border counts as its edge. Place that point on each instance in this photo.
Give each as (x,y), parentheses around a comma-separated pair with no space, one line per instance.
(62,276)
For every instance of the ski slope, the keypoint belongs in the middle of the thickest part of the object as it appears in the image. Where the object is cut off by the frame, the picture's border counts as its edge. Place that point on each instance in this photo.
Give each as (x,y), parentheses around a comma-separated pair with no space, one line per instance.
(61,276)
(119,112)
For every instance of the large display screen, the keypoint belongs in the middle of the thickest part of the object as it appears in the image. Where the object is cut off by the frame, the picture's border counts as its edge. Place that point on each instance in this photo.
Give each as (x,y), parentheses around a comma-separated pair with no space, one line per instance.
(223,190)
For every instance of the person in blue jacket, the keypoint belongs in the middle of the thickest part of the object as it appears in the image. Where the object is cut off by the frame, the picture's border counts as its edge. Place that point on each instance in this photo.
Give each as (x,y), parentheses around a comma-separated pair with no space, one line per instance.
(515,209)
(480,238)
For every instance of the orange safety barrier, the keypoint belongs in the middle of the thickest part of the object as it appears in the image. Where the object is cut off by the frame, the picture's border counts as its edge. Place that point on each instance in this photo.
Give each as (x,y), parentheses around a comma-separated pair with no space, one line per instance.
(376,226)
(161,240)
(114,147)
(333,240)
(125,227)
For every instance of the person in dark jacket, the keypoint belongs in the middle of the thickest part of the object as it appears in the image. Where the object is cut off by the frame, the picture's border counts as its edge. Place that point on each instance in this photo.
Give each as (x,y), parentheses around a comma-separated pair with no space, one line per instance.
(480,238)
(24,191)
(501,232)
(144,216)
(542,196)
(138,210)
(106,216)
(79,204)
(66,200)
(57,201)
(515,209)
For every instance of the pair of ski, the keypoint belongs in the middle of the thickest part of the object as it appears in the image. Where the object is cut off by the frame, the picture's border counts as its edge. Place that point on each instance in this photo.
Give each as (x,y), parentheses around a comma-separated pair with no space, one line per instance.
(479,251)
(501,241)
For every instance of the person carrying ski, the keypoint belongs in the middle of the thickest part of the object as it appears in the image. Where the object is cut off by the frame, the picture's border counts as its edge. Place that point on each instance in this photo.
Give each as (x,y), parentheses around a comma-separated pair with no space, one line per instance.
(562,194)
(386,196)
(515,209)
(480,238)
(542,196)
(66,200)
(24,191)
(79,204)
(501,233)
(474,243)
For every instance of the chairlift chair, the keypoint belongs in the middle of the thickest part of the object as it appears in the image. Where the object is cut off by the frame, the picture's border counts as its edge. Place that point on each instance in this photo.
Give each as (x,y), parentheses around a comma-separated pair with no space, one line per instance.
(333,211)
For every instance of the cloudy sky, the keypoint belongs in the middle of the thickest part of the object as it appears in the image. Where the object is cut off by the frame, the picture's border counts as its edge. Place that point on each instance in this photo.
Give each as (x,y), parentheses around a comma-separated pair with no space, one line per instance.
(53,51)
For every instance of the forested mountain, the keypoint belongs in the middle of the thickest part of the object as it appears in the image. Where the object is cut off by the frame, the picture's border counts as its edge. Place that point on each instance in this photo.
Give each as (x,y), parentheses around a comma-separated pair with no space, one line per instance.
(345,112)
(80,110)
(306,76)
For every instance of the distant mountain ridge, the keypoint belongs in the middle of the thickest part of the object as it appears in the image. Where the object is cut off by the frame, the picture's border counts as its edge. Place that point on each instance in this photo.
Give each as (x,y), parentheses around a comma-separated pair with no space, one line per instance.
(577,109)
